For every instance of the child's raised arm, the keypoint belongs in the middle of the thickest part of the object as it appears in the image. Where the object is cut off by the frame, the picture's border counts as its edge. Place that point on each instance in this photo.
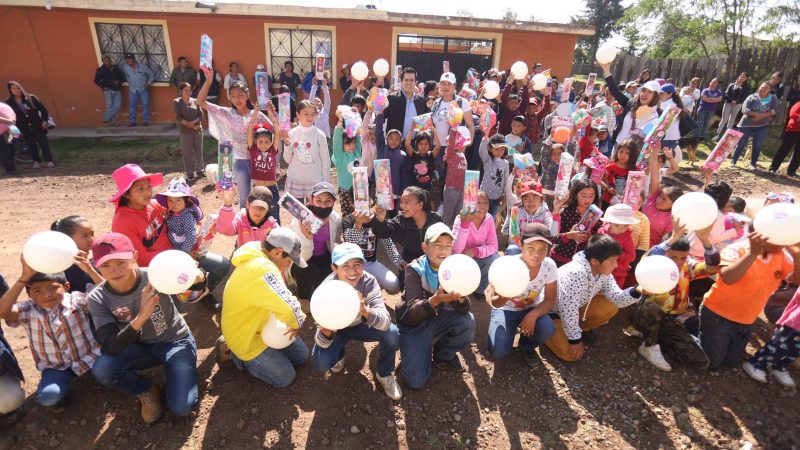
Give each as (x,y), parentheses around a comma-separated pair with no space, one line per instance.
(276,130)
(409,137)
(655,169)
(251,133)
(7,309)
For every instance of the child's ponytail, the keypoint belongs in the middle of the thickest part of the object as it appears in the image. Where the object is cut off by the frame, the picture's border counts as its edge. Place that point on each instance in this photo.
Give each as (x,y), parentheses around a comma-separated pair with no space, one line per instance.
(68,225)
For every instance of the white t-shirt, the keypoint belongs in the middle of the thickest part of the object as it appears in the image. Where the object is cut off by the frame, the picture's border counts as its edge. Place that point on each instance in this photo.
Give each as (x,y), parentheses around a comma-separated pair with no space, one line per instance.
(534,293)
(439,117)
(625,131)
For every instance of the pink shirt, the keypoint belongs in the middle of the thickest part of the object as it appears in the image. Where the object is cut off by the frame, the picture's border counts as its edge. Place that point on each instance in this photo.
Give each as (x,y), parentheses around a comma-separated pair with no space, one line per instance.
(235,223)
(660,221)
(482,241)
(791,315)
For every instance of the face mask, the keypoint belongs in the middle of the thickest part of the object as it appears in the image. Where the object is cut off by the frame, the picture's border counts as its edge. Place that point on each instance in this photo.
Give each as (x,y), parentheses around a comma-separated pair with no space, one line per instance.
(321,212)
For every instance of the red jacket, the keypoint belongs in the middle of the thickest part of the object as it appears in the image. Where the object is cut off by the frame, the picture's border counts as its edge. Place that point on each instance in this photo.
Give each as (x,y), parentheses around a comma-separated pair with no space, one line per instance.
(794,118)
(627,256)
(146,230)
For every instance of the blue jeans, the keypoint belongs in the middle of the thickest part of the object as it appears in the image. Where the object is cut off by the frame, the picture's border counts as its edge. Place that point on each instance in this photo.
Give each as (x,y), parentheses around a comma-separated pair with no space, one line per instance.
(275,209)
(241,176)
(54,386)
(179,359)
(758,134)
(503,327)
(443,335)
(703,121)
(135,98)
(513,249)
(494,205)
(484,264)
(275,367)
(723,341)
(113,101)
(325,358)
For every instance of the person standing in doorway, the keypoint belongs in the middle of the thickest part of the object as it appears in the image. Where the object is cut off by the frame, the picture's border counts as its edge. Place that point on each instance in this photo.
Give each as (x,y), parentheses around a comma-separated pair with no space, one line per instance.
(140,78)
(109,78)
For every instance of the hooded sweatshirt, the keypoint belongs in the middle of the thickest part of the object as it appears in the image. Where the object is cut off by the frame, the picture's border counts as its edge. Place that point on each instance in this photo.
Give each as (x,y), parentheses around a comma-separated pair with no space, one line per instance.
(145,228)
(254,291)
(232,223)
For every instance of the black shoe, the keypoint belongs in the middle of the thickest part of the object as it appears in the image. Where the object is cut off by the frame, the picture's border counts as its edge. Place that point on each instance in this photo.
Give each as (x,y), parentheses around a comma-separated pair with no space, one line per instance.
(212,303)
(589,337)
(190,177)
(454,363)
(531,358)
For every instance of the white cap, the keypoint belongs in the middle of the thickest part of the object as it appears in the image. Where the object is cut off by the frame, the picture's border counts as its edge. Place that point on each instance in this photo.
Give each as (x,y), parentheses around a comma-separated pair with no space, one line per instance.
(620,214)
(449,77)
(436,230)
(652,86)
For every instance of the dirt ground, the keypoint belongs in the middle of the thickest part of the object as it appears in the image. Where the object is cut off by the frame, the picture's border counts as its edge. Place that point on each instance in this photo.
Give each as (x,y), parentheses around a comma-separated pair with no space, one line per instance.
(612,399)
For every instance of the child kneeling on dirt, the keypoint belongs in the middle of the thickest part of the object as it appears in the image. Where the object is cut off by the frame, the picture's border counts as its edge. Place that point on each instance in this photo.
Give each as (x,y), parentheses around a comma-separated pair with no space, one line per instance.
(779,353)
(59,330)
(373,324)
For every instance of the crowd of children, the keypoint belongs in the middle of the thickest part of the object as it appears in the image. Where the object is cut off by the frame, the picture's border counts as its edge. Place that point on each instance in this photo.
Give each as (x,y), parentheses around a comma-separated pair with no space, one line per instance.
(573,216)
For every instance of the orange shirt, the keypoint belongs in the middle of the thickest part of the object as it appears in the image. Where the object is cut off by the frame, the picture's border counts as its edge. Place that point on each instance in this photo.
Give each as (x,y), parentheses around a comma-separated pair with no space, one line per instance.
(743,301)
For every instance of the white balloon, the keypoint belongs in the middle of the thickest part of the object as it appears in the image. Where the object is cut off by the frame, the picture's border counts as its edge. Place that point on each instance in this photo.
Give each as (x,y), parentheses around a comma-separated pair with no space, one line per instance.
(491,89)
(539,81)
(380,67)
(565,109)
(274,335)
(519,69)
(695,210)
(509,276)
(359,70)
(172,272)
(779,223)
(460,274)
(657,274)
(335,305)
(606,54)
(50,252)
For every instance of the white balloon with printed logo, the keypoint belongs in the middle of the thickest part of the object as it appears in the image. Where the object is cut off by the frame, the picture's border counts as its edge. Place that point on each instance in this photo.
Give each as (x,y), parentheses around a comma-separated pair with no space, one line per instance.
(491,89)
(606,54)
(509,276)
(274,334)
(779,223)
(459,274)
(50,252)
(359,70)
(335,305)
(539,81)
(657,274)
(380,67)
(519,69)
(172,272)
(695,210)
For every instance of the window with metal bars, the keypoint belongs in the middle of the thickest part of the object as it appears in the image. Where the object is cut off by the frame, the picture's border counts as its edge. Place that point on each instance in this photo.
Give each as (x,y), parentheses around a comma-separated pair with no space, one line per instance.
(146,42)
(300,46)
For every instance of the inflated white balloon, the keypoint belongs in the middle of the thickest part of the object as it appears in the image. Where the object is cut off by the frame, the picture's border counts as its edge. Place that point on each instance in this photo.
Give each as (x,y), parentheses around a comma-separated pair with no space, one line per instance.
(491,89)
(695,210)
(460,274)
(539,81)
(335,305)
(359,70)
(565,109)
(380,67)
(509,276)
(519,69)
(606,54)
(274,335)
(657,274)
(172,272)
(779,223)
(50,252)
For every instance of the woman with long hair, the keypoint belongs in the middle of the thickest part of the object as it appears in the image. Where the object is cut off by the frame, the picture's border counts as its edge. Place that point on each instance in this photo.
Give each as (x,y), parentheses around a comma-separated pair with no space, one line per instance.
(32,119)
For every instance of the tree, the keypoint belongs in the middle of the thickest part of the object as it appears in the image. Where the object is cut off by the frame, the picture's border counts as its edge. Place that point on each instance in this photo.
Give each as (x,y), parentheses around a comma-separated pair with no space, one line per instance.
(463,12)
(782,20)
(509,15)
(603,15)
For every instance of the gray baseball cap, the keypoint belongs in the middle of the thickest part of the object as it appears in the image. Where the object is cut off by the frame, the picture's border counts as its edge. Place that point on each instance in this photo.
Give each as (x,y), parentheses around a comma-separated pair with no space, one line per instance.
(289,242)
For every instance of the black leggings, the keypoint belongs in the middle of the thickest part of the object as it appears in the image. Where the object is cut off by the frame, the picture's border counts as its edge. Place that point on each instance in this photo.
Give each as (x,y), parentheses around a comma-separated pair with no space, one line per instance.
(309,278)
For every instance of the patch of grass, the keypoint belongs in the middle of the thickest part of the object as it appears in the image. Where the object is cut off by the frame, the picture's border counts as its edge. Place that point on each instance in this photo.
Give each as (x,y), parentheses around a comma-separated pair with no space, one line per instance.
(434,440)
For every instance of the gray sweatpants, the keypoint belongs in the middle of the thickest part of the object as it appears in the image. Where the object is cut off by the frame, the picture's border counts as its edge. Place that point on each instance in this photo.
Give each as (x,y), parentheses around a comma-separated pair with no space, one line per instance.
(192,152)
(453,201)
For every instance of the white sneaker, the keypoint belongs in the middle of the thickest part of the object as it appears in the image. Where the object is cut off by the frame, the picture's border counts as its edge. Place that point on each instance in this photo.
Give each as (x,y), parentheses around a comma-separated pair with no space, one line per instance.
(755,373)
(390,386)
(654,356)
(338,367)
(783,378)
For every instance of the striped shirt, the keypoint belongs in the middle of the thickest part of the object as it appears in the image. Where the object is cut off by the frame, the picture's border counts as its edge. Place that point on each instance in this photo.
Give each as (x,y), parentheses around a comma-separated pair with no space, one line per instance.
(60,338)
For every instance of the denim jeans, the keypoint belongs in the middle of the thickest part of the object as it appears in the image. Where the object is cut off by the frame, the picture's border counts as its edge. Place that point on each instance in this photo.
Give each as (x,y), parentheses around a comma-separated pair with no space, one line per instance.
(503,327)
(389,341)
(723,341)
(179,358)
(275,367)
(484,264)
(513,249)
(135,98)
(494,205)
(444,335)
(758,134)
(113,101)
(53,386)
(217,267)
(241,175)
(703,121)
(387,280)
(728,118)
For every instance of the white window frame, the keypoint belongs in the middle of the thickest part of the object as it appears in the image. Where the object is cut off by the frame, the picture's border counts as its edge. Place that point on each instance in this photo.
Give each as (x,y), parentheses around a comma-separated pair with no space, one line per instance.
(285,26)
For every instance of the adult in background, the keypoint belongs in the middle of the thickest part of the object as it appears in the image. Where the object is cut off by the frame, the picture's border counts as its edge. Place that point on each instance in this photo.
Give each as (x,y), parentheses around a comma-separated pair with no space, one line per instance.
(216,81)
(776,84)
(183,74)
(32,119)
(344,80)
(790,142)
(735,95)
(404,104)
(109,78)
(709,99)
(289,79)
(758,112)
(140,78)
(188,115)
(232,78)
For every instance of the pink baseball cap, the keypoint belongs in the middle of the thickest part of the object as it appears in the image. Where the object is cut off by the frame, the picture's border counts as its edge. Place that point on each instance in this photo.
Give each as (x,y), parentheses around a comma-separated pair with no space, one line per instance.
(111,246)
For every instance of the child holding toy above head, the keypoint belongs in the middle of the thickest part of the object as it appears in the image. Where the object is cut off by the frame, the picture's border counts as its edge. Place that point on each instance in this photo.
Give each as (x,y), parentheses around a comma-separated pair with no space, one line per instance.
(390,146)
(306,153)
(252,223)
(658,205)
(453,194)
(422,158)
(264,157)
(622,162)
(495,170)
(82,276)
(183,214)
(322,121)
(346,155)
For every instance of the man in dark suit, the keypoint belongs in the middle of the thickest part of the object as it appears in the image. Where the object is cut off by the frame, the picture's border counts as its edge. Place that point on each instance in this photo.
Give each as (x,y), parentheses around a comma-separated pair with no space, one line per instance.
(405,104)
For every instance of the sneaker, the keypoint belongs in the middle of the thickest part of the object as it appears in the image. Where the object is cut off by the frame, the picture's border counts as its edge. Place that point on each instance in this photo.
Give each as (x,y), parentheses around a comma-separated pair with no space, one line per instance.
(589,337)
(753,167)
(339,366)
(654,356)
(454,363)
(783,378)
(754,372)
(530,358)
(390,386)
(49,164)
(36,165)
(152,409)
(209,301)
(223,352)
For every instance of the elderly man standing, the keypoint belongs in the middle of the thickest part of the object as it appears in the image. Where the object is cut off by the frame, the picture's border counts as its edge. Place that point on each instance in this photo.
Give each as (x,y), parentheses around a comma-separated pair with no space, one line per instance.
(109,78)
(139,77)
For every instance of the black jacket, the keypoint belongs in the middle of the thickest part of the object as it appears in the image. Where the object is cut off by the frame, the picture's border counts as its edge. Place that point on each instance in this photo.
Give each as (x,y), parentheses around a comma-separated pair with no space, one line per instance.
(109,78)
(736,93)
(29,119)
(405,231)
(395,113)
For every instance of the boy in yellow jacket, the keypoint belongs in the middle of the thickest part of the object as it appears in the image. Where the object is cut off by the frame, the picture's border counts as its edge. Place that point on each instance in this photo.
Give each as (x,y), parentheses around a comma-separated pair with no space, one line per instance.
(256,290)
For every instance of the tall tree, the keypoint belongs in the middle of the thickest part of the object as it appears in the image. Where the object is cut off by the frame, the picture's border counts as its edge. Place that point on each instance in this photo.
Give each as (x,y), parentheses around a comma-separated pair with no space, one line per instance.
(603,15)
(509,15)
